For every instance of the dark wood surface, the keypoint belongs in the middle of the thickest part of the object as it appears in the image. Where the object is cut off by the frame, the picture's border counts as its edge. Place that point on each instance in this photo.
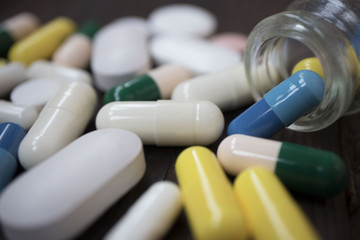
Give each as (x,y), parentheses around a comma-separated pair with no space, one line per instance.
(334,218)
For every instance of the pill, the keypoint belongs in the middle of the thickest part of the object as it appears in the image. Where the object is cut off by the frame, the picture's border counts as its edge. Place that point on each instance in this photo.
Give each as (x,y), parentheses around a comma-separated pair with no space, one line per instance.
(43,42)
(312,64)
(209,201)
(16,28)
(61,197)
(11,75)
(11,134)
(120,52)
(156,84)
(45,89)
(232,40)
(61,121)
(182,19)
(281,106)
(302,169)
(198,55)
(155,211)
(43,68)
(76,50)
(25,116)
(165,122)
(269,210)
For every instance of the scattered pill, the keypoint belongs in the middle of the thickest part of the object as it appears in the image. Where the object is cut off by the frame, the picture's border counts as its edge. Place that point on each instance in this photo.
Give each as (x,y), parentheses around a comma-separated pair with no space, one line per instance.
(11,75)
(182,19)
(210,204)
(61,197)
(45,88)
(165,122)
(11,134)
(120,52)
(155,211)
(312,64)
(156,84)
(281,106)
(61,121)
(16,28)
(198,55)
(269,210)
(25,116)
(42,68)
(232,40)
(43,42)
(76,50)
(302,169)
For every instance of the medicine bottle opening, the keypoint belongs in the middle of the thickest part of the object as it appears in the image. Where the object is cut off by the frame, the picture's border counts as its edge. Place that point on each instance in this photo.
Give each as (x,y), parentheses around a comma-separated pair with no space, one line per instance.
(278,42)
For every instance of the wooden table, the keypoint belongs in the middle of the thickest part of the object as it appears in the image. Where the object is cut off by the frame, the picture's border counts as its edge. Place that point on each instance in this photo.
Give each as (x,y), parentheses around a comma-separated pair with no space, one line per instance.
(334,218)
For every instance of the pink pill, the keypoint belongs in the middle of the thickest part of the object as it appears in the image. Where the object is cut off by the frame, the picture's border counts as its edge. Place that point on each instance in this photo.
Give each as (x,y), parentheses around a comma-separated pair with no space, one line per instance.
(232,40)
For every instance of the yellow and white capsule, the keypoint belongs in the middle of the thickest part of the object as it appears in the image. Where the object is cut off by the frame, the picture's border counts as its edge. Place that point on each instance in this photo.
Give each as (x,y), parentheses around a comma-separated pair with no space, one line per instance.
(209,201)
(269,210)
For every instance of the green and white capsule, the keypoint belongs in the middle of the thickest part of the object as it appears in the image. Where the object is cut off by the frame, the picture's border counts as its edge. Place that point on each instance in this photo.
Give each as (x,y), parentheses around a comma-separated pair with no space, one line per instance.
(302,169)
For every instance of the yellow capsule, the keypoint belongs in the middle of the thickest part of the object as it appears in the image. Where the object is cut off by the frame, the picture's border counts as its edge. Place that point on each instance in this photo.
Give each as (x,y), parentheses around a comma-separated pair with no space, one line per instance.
(42,43)
(209,200)
(2,62)
(269,210)
(312,64)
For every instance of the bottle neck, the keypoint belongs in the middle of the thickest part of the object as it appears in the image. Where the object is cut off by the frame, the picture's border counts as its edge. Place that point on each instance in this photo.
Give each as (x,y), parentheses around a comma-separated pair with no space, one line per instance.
(278,42)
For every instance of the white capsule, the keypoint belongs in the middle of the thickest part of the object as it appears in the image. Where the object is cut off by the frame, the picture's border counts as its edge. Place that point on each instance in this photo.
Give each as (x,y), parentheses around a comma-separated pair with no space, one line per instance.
(165,122)
(151,216)
(61,197)
(120,52)
(25,116)
(45,89)
(21,24)
(11,75)
(182,19)
(198,55)
(42,68)
(61,121)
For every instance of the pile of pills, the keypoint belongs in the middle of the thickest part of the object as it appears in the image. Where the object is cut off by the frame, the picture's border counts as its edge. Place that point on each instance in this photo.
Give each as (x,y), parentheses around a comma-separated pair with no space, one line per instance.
(165,81)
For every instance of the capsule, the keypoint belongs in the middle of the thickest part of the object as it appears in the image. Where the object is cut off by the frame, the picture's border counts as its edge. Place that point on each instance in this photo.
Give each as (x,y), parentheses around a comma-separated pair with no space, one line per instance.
(76,50)
(281,106)
(11,134)
(155,211)
(42,43)
(11,75)
(302,169)
(16,28)
(43,68)
(61,121)
(210,204)
(23,115)
(312,64)
(165,122)
(156,84)
(64,195)
(269,210)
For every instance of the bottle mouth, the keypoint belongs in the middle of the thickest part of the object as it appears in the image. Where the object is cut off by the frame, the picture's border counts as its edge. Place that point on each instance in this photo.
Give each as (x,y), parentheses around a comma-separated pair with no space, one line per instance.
(278,42)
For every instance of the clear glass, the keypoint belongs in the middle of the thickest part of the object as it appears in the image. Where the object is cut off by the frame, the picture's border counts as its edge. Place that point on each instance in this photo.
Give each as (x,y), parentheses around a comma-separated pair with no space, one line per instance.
(327,29)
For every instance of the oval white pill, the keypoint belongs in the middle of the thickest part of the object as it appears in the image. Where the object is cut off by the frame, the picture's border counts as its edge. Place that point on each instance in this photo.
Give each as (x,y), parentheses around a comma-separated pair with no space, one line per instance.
(62,196)
(155,211)
(11,75)
(42,68)
(120,52)
(165,122)
(61,121)
(35,92)
(25,116)
(182,19)
(198,55)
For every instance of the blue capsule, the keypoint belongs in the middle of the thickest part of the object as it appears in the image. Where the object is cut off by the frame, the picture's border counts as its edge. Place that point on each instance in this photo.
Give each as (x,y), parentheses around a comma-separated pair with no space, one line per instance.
(281,106)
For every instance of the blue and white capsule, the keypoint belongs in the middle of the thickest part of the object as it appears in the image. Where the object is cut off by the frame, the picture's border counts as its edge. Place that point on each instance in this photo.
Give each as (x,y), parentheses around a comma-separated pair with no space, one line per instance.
(281,106)
(11,134)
